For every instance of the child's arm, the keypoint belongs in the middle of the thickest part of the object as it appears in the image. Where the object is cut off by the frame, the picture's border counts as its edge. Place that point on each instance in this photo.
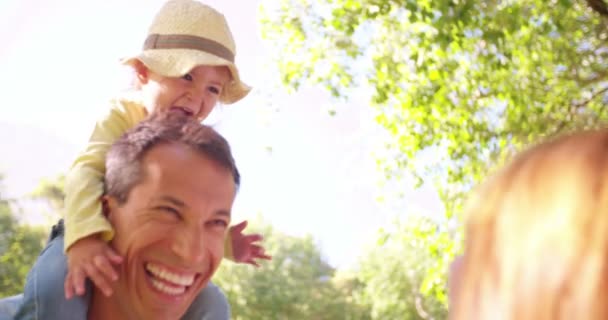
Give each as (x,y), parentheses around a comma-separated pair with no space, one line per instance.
(90,257)
(87,230)
(84,181)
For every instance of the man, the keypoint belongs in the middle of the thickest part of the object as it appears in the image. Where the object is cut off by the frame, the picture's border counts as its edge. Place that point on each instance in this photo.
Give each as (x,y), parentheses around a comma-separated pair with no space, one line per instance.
(170,185)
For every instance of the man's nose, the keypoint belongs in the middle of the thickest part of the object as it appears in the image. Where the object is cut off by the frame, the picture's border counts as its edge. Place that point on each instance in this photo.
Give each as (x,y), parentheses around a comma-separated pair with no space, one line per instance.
(189,246)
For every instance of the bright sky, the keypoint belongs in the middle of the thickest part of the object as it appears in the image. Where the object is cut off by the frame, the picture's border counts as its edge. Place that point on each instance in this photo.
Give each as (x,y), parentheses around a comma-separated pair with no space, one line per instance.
(59,64)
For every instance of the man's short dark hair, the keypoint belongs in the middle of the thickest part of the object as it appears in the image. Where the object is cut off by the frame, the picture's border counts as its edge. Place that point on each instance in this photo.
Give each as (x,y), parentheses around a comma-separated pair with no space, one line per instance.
(123,161)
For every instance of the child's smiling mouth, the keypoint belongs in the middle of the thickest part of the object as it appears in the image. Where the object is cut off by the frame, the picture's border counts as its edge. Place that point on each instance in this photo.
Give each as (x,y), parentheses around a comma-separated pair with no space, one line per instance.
(183,110)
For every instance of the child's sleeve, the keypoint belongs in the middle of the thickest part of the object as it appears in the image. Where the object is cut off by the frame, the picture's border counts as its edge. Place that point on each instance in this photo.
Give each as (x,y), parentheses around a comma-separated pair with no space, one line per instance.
(84,181)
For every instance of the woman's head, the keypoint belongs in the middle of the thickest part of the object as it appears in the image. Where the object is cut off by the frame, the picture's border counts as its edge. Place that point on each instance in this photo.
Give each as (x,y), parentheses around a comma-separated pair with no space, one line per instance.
(187,37)
(537,236)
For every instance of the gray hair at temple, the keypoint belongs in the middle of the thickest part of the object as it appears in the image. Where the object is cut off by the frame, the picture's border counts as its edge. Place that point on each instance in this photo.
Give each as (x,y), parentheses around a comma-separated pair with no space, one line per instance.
(123,161)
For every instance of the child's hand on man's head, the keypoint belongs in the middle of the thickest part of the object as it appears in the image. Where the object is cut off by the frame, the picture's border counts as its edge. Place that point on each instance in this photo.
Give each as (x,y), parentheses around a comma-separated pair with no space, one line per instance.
(93,258)
(245,247)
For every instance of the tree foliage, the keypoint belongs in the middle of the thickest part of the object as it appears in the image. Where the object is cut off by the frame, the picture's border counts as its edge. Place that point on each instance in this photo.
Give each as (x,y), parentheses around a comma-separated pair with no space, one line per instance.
(295,284)
(466,80)
(389,282)
(19,246)
(395,272)
(51,191)
(458,84)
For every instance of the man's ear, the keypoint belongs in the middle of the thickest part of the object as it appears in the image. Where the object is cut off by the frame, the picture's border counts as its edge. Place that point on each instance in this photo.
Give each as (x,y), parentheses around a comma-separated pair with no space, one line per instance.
(108,207)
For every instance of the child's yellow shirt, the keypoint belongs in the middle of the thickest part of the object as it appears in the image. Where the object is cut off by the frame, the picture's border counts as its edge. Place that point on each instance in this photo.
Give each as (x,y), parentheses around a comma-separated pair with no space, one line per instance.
(84,181)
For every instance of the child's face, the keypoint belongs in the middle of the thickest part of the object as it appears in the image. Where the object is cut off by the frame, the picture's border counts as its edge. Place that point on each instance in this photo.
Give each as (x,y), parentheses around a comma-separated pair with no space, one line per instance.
(195,94)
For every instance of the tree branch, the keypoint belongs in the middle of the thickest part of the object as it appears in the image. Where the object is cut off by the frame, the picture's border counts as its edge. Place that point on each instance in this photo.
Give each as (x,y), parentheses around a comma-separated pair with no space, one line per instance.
(581,104)
(575,106)
(599,6)
(596,77)
(419,309)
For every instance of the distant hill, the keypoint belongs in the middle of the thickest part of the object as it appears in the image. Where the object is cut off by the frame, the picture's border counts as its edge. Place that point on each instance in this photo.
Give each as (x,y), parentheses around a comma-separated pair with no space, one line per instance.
(29,154)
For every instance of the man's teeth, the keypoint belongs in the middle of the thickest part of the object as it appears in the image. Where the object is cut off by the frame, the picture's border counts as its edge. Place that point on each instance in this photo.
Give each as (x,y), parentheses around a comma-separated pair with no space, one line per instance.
(167,289)
(172,278)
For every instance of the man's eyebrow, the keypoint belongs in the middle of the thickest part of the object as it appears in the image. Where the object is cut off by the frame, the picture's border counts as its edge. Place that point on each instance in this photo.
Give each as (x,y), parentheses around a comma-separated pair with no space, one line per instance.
(173,201)
(181,204)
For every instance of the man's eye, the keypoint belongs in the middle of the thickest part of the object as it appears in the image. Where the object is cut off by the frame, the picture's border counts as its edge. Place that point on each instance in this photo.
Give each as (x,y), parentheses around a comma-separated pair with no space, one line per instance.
(170,210)
(220,223)
(188,77)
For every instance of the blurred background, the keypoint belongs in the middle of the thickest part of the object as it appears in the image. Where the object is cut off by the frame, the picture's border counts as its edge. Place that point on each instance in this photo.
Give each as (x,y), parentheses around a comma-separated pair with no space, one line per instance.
(368,124)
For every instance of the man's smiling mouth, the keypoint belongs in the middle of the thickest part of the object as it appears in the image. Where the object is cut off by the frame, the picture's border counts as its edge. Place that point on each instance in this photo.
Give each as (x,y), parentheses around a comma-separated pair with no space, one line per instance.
(167,281)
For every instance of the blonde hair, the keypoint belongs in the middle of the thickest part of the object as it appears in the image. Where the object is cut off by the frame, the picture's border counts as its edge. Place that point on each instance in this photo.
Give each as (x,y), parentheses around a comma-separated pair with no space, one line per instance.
(537,236)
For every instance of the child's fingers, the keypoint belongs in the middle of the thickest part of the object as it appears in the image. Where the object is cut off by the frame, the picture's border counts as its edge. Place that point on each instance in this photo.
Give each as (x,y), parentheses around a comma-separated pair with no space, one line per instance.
(252,262)
(104,266)
(70,284)
(98,279)
(238,228)
(259,252)
(264,256)
(77,279)
(68,288)
(114,257)
(251,238)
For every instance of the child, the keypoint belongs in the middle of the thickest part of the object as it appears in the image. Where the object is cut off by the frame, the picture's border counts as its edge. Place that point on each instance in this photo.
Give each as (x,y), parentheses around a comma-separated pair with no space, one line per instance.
(186,66)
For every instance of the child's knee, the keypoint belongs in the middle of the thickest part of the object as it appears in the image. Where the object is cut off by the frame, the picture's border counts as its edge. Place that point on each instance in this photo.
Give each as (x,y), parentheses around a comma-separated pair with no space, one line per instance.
(48,272)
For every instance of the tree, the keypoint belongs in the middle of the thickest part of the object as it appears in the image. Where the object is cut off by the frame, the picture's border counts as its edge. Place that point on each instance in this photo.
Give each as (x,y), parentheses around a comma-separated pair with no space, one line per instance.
(51,191)
(394,272)
(19,247)
(296,284)
(466,81)
(599,6)
(458,84)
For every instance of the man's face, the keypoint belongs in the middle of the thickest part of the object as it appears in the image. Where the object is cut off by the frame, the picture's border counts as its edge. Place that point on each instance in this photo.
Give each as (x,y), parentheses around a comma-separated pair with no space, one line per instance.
(170,231)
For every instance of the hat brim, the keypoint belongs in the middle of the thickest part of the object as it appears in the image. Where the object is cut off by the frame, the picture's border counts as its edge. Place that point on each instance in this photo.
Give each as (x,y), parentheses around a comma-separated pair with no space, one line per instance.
(178,62)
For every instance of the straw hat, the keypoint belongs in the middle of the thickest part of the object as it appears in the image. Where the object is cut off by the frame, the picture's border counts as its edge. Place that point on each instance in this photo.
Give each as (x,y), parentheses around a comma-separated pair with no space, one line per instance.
(185,34)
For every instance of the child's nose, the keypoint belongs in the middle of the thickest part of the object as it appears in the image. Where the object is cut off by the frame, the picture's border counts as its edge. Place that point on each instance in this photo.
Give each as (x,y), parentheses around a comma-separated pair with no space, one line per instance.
(196,101)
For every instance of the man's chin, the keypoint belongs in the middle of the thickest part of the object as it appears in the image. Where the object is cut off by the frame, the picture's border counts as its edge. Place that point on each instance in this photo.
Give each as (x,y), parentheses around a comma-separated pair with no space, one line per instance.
(160,299)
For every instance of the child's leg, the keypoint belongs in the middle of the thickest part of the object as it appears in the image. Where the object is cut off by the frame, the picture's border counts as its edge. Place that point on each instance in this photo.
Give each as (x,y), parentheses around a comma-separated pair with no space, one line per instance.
(43,297)
(9,305)
(210,304)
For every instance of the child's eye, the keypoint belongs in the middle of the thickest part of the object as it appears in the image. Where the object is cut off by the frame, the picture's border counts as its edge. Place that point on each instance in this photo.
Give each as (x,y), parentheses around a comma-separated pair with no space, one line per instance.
(188,77)
(215,90)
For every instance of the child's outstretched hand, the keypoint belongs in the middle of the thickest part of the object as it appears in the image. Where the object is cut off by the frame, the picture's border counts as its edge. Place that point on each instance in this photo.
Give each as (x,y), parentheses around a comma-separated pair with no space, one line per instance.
(93,258)
(244,247)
